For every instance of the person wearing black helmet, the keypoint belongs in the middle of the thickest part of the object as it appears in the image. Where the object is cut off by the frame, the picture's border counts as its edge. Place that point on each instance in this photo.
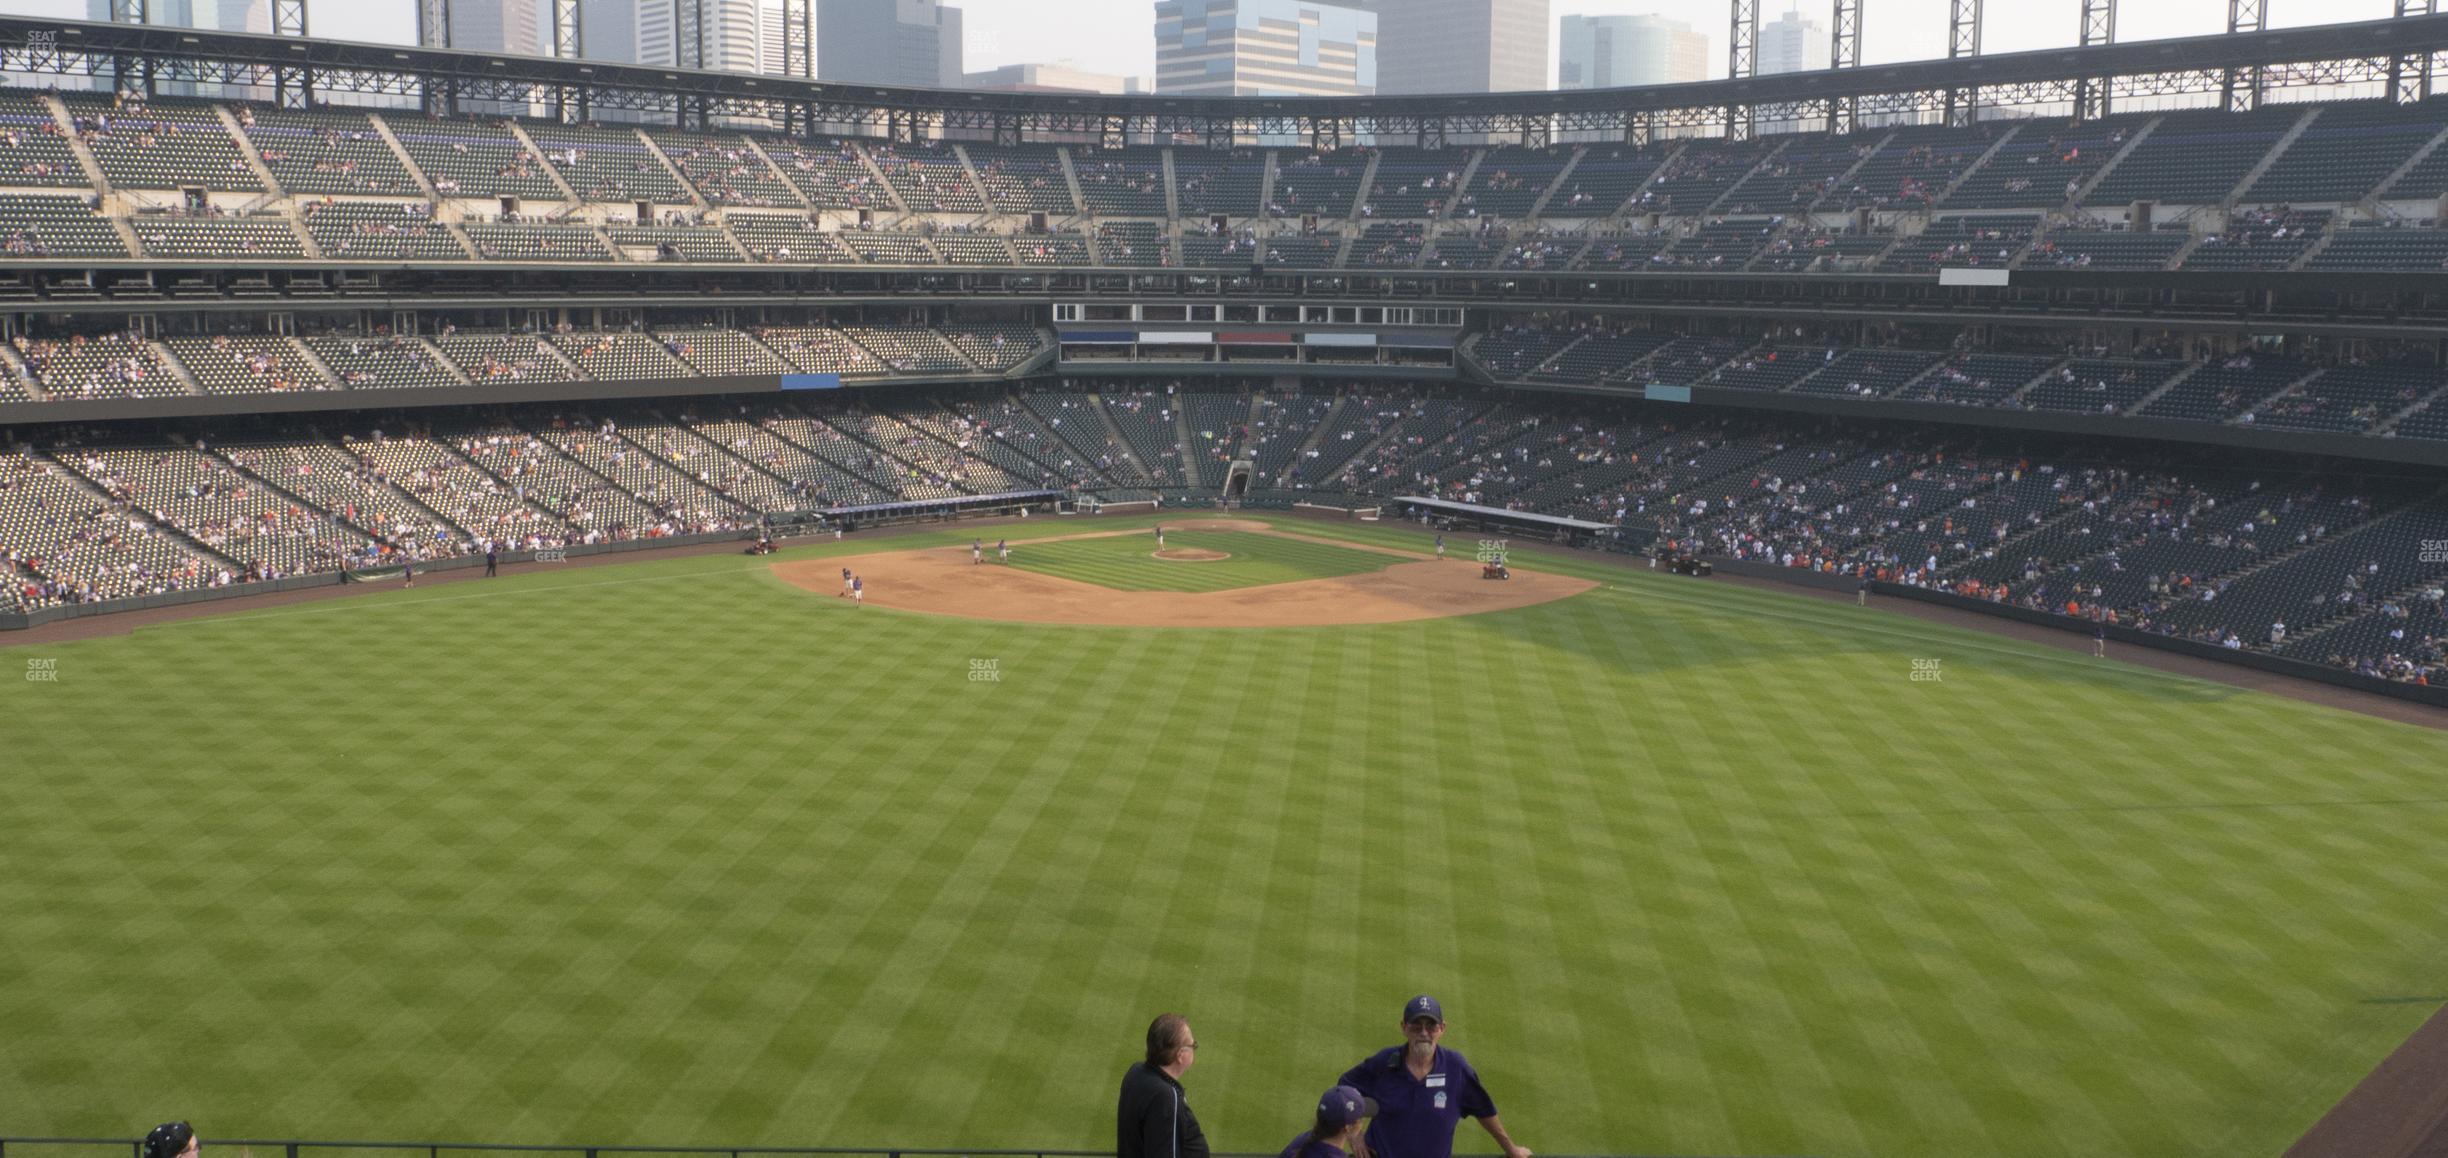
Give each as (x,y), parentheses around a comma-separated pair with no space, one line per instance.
(172,1140)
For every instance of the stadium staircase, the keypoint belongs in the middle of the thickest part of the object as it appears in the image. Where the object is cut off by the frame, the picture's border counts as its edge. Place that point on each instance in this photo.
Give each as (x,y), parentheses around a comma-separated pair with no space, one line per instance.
(2083,191)
(2255,408)
(1978,163)
(76,478)
(1079,202)
(875,173)
(1844,181)
(1550,359)
(774,171)
(2016,395)
(2276,150)
(1770,158)
(2161,389)
(1625,210)
(254,160)
(1453,195)
(79,149)
(175,368)
(570,196)
(2384,426)
(969,173)
(433,196)
(2380,194)
(2270,559)
(1317,433)
(1360,196)
(2329,233)
(696,199)
(1562,175)
(306,354)
(1266,183)
(16,369)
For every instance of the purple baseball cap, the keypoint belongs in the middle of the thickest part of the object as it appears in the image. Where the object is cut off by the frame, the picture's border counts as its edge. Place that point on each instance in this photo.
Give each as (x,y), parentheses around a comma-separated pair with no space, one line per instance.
(1423,1006)
(1341,1107)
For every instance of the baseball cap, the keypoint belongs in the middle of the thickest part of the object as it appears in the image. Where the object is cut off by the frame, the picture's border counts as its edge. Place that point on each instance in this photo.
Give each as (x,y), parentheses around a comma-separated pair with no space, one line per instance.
(1341,1107)
(1423,1006)
(168,1140)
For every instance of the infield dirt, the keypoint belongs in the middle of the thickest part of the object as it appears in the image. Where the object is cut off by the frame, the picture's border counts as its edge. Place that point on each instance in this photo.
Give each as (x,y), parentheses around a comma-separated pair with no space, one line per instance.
(943,581)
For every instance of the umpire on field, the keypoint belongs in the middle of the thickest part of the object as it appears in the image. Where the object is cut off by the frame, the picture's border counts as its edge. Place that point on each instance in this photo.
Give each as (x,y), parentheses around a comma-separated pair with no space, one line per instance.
(1418,1091)
(1155,1120)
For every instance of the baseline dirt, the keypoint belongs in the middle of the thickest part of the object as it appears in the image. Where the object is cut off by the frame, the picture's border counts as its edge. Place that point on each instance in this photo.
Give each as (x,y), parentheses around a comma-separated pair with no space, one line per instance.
(1192,555)
(943,581)
(2399,1110)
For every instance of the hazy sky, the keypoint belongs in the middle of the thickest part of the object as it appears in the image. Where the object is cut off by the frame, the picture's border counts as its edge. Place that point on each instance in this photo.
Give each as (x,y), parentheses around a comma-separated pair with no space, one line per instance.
(1116,36)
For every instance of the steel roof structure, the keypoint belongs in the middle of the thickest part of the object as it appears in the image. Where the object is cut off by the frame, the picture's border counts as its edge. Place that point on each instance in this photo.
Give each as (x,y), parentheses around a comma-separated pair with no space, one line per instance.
(2378,54)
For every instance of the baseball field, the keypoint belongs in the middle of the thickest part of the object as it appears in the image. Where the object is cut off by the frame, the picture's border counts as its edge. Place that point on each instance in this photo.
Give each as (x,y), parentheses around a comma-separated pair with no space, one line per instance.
(698,851)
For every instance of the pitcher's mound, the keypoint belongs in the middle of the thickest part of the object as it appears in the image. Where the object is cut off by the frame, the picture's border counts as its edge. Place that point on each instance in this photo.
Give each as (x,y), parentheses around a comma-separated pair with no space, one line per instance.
(1192,555)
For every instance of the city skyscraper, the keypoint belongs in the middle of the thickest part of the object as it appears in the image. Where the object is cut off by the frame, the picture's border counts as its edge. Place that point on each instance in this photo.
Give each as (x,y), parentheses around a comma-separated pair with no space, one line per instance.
(739,35)
(900,42)
(1432,46)
(1791,44)
(1619,51)
(513,26)
(1264,48)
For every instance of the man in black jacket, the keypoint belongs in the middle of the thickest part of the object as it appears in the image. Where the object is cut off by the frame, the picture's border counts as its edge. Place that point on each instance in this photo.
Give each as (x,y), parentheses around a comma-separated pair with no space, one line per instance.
(1155,1120)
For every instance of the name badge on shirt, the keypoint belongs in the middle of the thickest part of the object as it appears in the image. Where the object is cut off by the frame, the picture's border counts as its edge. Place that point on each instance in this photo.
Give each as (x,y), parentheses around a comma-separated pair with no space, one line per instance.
(1435,1080)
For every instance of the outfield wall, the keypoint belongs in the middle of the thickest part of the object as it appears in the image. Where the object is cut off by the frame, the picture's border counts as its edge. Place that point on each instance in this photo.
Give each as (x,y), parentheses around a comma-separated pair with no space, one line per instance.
(20,621)
(2260,661)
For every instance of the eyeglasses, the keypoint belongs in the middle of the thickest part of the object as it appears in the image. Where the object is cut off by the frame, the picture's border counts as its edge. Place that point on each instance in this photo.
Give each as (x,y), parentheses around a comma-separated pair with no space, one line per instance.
(1189,1045)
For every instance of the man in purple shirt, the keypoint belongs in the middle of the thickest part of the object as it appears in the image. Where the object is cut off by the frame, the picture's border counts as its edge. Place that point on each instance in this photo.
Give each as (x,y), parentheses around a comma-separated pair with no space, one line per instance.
(1419,1091)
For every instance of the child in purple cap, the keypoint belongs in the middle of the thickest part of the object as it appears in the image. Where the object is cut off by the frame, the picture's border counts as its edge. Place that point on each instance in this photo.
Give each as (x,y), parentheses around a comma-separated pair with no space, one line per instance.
(1339,1117)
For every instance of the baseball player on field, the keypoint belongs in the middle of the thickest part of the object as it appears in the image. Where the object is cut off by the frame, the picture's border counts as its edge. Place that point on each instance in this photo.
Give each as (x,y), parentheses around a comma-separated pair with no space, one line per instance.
(1003,550)
(977,551)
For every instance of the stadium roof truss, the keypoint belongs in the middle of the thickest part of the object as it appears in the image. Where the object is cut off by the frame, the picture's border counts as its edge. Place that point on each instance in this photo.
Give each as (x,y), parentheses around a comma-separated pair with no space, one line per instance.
(2318,61)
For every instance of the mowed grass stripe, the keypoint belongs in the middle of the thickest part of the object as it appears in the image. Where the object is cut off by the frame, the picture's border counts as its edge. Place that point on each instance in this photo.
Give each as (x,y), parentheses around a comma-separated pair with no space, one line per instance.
(673,852)
(1127,563)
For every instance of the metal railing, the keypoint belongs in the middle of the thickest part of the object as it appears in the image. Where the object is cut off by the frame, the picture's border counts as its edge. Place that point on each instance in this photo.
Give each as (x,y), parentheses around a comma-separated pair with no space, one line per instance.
(299,1148)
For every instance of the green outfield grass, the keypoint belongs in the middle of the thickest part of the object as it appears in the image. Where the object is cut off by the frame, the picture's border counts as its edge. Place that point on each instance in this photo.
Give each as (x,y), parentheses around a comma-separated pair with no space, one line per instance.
(676,853)
(1127,563)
